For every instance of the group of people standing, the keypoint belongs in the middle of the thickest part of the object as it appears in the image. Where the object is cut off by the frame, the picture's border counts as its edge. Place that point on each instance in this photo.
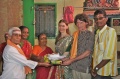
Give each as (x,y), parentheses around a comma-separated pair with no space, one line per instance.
(88,55)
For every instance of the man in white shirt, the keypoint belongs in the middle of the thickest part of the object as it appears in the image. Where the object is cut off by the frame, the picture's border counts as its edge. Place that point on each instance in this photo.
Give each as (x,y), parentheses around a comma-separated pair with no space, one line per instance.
(15,63)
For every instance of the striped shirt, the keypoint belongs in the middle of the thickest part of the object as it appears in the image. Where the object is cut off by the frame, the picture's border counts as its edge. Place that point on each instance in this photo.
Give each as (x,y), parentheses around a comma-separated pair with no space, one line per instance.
(106,48)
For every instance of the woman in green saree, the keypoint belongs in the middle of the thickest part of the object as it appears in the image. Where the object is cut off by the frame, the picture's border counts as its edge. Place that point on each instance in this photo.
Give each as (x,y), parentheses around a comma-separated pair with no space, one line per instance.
(62,46)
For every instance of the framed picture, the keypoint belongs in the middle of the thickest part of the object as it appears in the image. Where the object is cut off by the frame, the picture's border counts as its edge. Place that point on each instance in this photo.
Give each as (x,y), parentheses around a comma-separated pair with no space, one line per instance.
(91,25)
(115,23)
(91,22)
(106,4)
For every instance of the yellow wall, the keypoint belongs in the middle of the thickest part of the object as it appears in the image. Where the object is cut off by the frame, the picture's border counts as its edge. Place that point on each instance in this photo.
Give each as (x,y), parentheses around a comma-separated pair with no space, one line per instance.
(60,4)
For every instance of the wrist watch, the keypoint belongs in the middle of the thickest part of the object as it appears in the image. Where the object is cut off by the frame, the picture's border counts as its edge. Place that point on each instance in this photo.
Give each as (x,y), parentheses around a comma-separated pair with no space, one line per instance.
(96,68)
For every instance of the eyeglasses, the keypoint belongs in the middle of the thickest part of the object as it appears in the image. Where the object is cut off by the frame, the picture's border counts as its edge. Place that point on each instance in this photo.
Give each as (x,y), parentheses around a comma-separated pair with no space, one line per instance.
(100,18)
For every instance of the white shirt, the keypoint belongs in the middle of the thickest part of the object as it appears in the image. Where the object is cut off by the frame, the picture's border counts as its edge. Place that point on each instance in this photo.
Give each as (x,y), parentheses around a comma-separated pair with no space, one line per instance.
(14,62)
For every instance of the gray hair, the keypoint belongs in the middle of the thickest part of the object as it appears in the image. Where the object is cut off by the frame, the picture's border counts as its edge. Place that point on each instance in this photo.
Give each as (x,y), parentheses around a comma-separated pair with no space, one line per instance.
(10,31)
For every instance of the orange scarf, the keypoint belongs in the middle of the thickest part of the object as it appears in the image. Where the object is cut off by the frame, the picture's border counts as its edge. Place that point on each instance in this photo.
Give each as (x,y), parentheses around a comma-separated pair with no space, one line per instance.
(37,50)
(27,69)
(74,45)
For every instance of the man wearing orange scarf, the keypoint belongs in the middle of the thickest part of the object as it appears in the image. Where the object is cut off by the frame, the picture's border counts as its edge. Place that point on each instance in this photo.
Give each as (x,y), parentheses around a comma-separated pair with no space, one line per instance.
(16,65)
(81,50)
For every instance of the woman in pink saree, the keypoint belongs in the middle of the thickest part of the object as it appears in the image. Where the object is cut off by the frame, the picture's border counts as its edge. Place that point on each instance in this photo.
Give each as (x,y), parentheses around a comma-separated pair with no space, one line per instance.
(40,51)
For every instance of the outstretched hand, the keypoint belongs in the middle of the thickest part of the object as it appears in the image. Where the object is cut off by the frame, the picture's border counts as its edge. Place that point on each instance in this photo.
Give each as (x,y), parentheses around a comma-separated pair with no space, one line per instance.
(44,64)
(64,59)
(67,62)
